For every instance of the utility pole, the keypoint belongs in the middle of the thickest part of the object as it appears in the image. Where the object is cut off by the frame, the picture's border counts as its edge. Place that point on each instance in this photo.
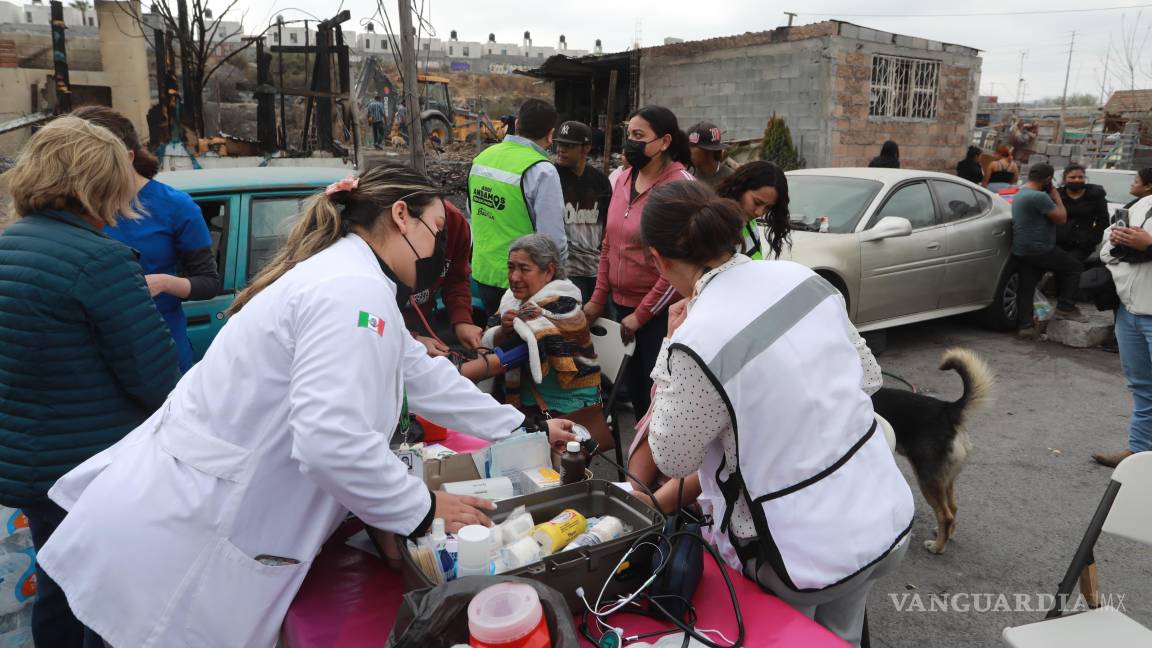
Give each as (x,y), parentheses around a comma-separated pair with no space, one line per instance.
(1104,81)
(408,59)
(60,60)
(791,17)
(1064,99)
(188,101)
(1020,82)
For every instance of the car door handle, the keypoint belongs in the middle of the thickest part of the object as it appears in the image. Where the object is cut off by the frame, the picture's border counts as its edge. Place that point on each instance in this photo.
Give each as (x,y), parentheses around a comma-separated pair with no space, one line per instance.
(933,246)
(196,320)
(999,232)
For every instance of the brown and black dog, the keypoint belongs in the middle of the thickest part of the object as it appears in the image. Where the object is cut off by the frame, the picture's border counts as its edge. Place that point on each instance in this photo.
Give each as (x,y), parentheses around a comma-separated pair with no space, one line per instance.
(931,434)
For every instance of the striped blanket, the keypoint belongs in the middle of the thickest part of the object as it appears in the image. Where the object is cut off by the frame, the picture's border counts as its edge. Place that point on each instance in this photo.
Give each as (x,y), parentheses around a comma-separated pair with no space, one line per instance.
(553,325)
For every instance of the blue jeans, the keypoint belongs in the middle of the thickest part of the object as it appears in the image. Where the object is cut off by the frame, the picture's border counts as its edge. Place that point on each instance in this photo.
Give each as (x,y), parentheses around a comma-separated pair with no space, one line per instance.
(1134,336)
(53,624)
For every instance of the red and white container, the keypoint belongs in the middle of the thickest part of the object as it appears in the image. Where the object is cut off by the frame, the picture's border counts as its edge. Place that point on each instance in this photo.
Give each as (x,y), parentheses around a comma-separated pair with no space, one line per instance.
(508,615)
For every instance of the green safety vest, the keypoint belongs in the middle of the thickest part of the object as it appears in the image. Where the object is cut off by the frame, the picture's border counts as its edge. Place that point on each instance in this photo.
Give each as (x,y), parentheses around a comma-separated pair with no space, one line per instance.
(754,251)
(499,210)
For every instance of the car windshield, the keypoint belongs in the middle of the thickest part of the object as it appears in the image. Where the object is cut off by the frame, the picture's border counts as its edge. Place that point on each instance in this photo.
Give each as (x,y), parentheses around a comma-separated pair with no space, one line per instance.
(842,200)
(1115,184)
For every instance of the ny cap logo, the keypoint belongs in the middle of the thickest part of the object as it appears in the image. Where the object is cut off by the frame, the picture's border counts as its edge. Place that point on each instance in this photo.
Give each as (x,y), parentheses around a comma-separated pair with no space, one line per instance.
(564,129)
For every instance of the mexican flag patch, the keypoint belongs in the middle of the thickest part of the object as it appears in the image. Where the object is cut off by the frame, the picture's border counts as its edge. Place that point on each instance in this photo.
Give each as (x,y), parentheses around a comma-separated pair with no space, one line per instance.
(369,321)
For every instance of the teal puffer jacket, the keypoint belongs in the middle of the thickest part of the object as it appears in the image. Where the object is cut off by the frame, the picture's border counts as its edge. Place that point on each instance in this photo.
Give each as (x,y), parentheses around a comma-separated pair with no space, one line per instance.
(84,355)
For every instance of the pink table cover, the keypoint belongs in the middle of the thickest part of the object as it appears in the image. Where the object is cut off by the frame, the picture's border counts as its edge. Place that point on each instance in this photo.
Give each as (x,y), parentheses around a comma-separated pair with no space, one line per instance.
(350,599)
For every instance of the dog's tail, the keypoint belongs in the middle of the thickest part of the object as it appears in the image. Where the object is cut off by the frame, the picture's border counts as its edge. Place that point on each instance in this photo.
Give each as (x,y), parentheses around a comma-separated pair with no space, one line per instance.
(979,381)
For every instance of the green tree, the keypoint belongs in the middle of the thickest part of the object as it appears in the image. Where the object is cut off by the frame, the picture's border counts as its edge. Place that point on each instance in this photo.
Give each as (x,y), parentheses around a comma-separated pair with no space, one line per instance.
(82,6)
(776,146)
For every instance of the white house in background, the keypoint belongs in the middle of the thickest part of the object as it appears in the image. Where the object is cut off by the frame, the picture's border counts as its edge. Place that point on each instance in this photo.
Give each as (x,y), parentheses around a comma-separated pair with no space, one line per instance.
(231,32)
(457,49)
(295,34)
(453,49)
(40,13)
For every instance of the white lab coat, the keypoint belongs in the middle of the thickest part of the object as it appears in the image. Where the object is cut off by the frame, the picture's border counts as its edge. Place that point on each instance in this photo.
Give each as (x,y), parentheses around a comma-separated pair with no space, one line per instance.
(263,448)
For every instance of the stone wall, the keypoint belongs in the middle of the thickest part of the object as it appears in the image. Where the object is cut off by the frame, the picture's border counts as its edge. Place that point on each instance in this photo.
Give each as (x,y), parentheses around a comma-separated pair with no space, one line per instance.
(934,144)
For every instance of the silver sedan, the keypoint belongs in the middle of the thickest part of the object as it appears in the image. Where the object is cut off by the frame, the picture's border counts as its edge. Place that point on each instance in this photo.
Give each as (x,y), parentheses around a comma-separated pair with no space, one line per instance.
(905,246)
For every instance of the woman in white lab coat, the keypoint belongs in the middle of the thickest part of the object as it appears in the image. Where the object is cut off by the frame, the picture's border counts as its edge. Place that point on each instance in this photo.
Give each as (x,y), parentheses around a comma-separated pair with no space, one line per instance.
(199,526)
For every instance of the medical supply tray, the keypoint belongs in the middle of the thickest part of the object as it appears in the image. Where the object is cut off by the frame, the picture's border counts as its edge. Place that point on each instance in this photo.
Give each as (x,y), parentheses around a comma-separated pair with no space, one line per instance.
(587,567)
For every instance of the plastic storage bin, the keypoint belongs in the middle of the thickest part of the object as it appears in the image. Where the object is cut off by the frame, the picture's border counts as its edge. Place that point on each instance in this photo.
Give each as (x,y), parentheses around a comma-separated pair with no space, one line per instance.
(587,567)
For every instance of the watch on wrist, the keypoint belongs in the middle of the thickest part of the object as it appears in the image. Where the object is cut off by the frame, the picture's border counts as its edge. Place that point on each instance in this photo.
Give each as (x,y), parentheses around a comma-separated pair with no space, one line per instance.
(535,424)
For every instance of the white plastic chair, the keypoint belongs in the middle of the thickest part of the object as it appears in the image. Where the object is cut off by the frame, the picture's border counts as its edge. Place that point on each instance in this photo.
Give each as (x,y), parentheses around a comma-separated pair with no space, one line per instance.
(1123,512)
(613,356)
(889,433)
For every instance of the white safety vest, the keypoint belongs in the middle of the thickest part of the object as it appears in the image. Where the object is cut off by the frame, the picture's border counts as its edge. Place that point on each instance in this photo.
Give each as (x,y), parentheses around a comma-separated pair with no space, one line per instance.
(823,488)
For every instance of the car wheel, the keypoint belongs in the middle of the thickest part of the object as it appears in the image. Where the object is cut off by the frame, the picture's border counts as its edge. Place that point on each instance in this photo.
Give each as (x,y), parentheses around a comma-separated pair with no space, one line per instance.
(1002,312)
(877,341)
(838,285)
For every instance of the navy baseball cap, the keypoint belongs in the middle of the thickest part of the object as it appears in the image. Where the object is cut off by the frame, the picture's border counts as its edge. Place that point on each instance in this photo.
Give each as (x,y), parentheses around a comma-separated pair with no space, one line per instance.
(573,132)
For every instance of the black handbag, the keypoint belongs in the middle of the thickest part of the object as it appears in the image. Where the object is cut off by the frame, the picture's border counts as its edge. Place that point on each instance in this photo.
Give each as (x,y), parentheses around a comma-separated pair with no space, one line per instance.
(438,617)
(1098,285)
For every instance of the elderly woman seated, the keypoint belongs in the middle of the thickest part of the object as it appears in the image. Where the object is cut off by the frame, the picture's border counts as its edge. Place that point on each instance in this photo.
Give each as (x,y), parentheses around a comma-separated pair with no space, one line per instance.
(541,343)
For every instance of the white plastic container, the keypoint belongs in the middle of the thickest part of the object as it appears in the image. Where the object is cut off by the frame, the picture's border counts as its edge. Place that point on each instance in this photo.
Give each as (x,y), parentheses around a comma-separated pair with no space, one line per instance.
(474,551)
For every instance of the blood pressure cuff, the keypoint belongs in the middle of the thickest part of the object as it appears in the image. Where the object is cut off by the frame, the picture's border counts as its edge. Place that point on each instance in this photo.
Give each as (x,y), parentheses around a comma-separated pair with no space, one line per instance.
(511,358)
(685,556)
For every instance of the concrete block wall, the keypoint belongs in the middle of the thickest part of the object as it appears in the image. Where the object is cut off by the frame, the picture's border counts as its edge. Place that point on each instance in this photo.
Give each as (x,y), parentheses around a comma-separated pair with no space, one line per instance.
(934,145)
(16,99)
(34,49)
(739,88)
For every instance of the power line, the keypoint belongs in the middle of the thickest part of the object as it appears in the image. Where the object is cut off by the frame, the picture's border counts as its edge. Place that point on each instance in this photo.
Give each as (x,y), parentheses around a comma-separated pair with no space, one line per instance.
(991,13)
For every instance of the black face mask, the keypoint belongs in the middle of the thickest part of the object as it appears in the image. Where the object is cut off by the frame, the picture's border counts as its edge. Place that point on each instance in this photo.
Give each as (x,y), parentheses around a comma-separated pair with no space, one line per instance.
(634,153)
(429,268)
(1075,186)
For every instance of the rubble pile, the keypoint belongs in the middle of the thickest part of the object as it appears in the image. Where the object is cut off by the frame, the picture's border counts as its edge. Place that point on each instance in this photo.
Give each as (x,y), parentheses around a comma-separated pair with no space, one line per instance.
(452,175)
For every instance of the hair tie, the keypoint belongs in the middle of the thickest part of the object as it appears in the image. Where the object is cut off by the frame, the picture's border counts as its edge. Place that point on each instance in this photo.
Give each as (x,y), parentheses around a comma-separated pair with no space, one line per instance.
(347,184)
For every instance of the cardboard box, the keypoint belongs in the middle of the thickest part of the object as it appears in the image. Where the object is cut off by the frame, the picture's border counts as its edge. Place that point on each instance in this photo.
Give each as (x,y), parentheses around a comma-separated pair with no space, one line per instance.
(459,467)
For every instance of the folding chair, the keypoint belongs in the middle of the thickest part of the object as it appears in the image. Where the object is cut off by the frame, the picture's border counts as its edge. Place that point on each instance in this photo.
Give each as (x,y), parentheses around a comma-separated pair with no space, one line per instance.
(613,356)
(1122,512)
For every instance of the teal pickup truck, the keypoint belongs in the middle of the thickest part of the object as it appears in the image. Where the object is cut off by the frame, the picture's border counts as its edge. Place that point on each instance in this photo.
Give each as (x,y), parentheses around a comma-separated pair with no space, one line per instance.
(249,212)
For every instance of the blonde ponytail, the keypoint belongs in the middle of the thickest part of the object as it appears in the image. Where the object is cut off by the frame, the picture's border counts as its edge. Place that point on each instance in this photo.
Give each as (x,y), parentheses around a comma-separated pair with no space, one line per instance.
(328,218)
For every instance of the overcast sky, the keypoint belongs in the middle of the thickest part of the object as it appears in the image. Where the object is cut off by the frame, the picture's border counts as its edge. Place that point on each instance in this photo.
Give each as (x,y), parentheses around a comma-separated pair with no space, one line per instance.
(1045,36)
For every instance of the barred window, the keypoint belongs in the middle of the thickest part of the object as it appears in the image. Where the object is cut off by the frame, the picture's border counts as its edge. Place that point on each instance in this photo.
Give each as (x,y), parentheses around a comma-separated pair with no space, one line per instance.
(903,88)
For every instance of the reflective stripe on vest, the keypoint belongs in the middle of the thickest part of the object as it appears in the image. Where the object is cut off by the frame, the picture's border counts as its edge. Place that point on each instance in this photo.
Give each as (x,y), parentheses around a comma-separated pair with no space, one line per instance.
(499,210)
(824,492)
(752,248)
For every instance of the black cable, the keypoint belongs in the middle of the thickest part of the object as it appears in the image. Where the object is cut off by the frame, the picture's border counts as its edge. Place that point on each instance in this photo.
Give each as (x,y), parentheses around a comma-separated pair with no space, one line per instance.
(634,608)
(899,379)
(687,628)
(597,452)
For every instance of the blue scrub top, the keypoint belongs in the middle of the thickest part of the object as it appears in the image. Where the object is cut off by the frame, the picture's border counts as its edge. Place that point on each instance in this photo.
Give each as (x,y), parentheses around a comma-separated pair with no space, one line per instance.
(172,224)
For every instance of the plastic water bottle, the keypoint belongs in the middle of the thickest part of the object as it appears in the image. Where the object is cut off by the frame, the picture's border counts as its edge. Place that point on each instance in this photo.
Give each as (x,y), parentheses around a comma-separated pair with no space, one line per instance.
(17,575)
